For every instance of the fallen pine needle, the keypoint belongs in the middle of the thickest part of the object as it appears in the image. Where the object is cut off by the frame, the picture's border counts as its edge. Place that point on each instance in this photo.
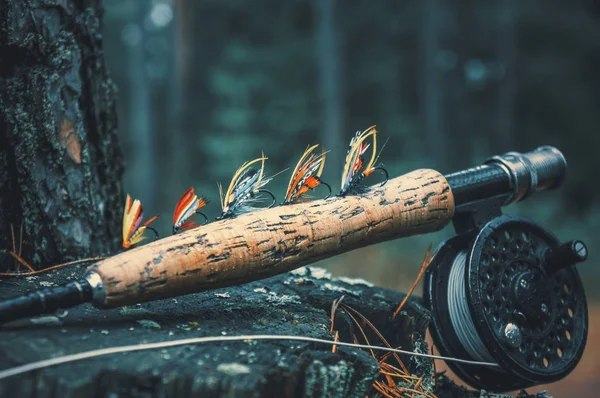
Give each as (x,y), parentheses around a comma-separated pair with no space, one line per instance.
(336,339)
(377,332)
(210,339)
(14,254)
(424,265)
(334,307)
(362,331)
(393,371)
(35,272)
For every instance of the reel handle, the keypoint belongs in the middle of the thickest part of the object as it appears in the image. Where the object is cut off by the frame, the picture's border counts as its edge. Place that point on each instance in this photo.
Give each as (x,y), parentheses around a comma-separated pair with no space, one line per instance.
(566,255)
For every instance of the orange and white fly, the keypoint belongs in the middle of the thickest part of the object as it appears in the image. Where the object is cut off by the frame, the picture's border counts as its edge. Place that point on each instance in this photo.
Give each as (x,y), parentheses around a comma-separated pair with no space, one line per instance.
(355,168)
(188,205)
(133,229)
(245,188)
(306,175)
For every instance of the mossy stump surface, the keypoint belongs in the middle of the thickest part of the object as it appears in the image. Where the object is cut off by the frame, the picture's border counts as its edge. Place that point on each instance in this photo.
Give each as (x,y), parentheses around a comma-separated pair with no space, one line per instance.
(295,303)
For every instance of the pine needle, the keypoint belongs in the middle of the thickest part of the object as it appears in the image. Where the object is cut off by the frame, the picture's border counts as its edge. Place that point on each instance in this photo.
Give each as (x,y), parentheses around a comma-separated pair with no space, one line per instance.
(362,331)
(345,306)
(336,339)
(424,265)
(32,271)
(334,307)
(21,239)
(36,272)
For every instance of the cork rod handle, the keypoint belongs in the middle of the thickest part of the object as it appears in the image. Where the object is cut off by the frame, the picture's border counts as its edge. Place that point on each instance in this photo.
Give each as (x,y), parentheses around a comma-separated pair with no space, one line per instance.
(272,241)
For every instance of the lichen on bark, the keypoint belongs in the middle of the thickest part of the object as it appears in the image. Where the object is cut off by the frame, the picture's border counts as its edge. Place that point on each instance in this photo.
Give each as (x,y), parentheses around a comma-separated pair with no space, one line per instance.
(60,161)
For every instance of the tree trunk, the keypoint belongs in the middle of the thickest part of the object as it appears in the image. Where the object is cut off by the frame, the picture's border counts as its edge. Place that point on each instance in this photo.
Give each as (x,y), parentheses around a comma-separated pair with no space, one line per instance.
(60,161)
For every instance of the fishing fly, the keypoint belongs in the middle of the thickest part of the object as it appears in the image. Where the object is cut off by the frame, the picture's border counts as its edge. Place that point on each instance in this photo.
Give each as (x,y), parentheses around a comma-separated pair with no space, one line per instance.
(188,205)
(133,233)
(133,229)
(355,169)
(245,189)
(306,175)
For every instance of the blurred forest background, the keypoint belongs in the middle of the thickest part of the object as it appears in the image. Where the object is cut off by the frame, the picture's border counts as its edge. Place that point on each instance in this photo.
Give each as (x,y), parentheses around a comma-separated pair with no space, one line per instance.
(205,85)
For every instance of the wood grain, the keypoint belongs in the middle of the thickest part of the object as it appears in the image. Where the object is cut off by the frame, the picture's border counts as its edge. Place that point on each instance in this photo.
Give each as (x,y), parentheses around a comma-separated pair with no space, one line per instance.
(272,241)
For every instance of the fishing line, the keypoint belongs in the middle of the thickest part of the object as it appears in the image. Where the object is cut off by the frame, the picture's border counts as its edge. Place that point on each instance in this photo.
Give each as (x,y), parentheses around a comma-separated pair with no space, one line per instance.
(211,339)
(460,316)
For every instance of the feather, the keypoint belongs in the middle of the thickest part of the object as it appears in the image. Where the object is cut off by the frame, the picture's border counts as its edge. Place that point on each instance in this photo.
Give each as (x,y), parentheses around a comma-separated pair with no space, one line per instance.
(243,194)
(187,206)
(355,167)
(306,174)
(133,229)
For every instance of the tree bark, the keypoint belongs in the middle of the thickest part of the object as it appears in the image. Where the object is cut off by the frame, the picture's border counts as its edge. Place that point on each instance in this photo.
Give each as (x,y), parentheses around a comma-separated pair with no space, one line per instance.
(60,161)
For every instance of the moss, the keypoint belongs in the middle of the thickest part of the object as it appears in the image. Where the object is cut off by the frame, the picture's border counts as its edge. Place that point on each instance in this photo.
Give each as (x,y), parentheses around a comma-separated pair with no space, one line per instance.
(70,206)
(328,380)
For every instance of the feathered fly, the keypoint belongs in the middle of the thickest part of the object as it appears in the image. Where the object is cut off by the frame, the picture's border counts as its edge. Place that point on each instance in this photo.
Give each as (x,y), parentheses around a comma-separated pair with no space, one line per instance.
(133,232)
(188,205)
(244,190)
(133,229)
(306,175)
(355,168)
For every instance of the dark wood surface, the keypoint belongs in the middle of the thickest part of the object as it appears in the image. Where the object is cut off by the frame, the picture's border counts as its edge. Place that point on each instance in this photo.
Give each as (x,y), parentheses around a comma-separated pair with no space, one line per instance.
(295,303)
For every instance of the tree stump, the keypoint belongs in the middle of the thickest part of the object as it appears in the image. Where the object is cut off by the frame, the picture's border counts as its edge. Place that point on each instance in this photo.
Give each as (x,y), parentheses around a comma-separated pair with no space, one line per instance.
(295,303)
(60,162)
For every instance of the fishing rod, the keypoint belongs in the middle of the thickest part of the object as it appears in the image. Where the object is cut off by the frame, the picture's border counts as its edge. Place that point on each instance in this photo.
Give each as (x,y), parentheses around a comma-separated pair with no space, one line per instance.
(508,292)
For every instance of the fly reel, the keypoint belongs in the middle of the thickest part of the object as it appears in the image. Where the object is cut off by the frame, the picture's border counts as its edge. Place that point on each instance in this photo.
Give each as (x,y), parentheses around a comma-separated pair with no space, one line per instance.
(508,293)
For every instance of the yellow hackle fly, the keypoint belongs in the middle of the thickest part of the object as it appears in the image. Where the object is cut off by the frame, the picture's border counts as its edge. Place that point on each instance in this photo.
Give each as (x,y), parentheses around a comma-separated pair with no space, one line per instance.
(244,189)
(133,229)
(355,168)
(306,175)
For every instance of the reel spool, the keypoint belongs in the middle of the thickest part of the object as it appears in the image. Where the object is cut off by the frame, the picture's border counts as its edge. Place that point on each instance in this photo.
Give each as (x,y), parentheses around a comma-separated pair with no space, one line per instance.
(509,294)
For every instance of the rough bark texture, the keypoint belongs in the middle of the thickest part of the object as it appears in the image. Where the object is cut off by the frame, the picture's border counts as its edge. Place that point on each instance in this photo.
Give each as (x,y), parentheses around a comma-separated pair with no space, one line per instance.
(295,303)
(264,243)
(60,163)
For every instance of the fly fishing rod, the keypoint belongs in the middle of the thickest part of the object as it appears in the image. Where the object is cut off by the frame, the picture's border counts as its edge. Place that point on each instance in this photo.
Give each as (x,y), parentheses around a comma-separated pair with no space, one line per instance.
(492,291)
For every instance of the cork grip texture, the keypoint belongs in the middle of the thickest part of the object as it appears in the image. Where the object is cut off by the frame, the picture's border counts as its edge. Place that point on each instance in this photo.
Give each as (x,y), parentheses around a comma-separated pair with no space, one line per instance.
(271,241)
